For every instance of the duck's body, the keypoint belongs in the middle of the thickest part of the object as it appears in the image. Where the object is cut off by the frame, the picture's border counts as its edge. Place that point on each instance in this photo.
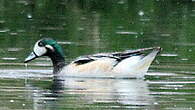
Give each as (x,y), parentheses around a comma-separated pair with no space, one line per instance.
(119,64)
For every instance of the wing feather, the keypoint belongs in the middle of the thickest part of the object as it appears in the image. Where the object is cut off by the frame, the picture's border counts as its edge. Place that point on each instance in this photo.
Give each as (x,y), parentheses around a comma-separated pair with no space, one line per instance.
(118,56)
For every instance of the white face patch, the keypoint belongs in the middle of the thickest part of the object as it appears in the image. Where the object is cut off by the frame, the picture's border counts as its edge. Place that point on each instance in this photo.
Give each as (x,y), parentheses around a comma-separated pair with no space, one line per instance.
(39,51)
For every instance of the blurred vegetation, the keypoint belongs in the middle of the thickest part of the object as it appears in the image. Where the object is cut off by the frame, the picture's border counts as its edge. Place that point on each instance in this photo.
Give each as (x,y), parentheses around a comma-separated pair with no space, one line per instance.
(92,26)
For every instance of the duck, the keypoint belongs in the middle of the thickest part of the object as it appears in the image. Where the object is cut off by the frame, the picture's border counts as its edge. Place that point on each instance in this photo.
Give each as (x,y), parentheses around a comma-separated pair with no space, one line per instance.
(128,63)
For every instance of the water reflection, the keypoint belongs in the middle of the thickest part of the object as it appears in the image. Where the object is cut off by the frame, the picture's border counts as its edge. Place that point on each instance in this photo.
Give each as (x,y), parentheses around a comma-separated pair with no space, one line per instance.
(41,91)
(133,92)
(86,92)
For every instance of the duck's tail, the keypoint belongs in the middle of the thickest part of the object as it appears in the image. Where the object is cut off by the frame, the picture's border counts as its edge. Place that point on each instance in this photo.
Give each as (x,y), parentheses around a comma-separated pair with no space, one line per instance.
(137,66)
(146,61)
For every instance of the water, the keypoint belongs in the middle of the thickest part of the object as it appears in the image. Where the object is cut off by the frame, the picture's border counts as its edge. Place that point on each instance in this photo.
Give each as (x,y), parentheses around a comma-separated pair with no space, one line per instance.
(26,79)
(93,26)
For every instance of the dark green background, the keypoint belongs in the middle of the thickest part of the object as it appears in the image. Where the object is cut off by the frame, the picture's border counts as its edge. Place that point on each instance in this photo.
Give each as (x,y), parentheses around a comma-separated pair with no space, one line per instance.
(92,26)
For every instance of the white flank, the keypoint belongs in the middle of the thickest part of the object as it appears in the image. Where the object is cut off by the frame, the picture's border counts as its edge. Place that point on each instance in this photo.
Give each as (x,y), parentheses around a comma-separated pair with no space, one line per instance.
(98,68)
(135,66)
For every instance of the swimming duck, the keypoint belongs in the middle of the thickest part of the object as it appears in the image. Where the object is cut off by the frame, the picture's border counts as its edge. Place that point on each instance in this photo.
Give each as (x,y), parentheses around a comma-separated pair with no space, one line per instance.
(129,63)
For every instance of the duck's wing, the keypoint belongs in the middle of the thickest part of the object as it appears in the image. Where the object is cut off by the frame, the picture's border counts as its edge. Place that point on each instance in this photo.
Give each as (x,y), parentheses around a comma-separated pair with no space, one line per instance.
(95,57)
(139,52)
(116,56)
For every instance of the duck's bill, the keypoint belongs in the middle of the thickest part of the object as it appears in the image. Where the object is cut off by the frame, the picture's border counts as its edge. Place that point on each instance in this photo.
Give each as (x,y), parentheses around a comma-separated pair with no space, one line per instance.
(30,57)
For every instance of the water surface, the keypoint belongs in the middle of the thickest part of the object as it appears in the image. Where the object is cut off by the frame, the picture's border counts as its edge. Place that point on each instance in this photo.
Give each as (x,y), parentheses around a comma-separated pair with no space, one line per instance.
(93,26)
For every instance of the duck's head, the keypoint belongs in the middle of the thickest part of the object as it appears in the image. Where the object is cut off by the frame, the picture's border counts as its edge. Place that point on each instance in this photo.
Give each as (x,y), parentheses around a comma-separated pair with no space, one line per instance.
(46,47)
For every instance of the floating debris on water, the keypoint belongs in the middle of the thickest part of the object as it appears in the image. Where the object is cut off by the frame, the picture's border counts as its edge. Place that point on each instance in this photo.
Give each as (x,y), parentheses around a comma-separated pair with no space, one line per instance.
(22,2)
(29,16)
(161,74)
(65,42)
(13,33)
(126,33)
(83,18)
(6,58)
(141,13)
(165,35)
(23,74)
(11,101)
(120,27)
(20,30)
(169,55)
(121,2)
(51,28)
(185,44)
(1,22)
(14,49)
(4,30)
(81,29)
(184,59)
(44,59)
(146,19)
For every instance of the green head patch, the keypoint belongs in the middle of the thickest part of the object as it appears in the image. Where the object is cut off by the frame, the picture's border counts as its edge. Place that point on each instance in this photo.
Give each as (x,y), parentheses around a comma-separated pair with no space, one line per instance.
(54,44)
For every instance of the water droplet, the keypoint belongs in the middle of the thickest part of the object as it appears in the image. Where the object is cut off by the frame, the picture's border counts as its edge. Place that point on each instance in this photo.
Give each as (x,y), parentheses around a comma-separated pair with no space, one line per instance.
(5,58)
(2,22)
(83,18)
(29,16)
(4,30)
(165,35)
(11,101)
(63,42)
(141,13)
(126,33)
(169,55)
(14,49)
(120,27)
(80,29)
(13,33)
(26,66)
(141,33)
(121,2)
(184,59)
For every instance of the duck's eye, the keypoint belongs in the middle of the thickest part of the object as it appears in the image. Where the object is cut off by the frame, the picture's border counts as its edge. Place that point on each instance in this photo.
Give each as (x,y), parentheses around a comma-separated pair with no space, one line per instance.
(40,44)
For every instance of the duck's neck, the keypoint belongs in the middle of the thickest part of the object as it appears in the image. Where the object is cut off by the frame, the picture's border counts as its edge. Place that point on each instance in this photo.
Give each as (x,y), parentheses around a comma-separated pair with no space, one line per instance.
(58,62)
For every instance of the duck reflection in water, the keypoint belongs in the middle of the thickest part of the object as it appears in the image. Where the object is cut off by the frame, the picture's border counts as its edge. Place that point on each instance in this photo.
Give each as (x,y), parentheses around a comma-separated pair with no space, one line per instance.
(87,91)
